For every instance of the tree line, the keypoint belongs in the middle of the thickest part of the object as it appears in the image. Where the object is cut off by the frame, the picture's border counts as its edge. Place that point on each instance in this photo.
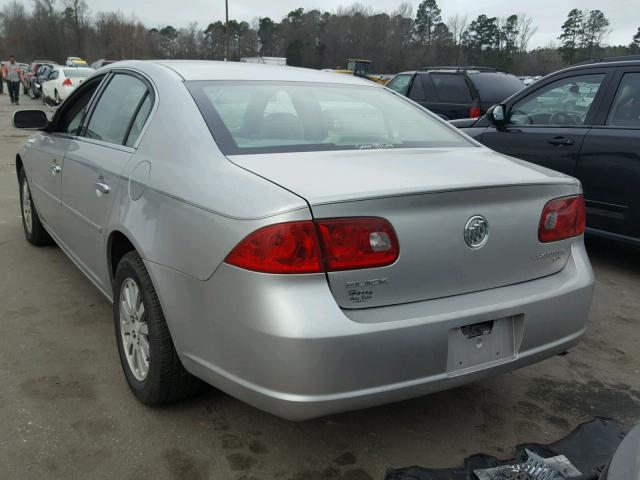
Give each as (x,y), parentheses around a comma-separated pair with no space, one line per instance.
(393,41)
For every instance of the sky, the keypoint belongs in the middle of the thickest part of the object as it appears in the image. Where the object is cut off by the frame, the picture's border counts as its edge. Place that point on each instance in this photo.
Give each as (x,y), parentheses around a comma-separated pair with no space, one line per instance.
(548,15)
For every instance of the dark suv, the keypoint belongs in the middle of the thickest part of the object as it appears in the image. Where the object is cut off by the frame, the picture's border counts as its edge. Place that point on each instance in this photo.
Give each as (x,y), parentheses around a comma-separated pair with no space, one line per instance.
(456,92)
(583,121)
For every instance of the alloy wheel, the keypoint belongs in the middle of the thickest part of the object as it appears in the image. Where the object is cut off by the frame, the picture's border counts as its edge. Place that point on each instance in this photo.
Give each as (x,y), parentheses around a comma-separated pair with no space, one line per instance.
(27,213)
(134,330)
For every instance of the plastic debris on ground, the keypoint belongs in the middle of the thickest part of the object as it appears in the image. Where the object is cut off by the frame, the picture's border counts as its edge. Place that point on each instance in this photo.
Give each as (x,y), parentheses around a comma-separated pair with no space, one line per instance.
(582,455)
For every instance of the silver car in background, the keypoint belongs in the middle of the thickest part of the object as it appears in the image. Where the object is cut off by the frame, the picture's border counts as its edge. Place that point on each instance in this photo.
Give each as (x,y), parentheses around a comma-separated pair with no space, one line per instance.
(307,242)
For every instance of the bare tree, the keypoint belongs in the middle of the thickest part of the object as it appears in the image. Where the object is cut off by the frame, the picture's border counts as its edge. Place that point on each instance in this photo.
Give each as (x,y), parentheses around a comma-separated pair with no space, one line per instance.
(526,30)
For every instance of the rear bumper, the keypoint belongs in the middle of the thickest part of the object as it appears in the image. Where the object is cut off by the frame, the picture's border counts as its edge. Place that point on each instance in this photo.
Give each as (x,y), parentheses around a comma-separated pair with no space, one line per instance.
(282,344)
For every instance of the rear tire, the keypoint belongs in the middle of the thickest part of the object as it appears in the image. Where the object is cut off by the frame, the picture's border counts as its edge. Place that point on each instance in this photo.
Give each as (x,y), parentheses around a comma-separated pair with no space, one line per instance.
(57,98)
(34,232)
(32,93)
(148,357)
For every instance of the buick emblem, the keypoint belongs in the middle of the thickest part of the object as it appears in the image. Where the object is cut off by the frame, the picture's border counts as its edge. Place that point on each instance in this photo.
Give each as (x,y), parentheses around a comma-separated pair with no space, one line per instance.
(476,231)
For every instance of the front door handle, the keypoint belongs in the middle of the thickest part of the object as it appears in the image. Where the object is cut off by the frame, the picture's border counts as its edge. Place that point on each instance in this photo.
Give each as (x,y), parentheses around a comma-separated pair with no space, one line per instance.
(102,187)
(55,169)
(561,141)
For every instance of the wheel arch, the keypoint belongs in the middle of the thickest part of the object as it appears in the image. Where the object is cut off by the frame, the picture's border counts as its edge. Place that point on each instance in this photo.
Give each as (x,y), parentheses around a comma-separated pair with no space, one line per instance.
(119,243)
(19,165)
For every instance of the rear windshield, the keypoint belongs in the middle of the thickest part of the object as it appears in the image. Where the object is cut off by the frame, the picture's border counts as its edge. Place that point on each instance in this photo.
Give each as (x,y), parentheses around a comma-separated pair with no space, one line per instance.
(270,117)
(496,87)
(77,72)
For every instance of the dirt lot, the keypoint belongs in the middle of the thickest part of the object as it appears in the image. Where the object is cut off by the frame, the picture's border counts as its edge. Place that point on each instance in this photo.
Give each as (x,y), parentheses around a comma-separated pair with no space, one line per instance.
(66,412)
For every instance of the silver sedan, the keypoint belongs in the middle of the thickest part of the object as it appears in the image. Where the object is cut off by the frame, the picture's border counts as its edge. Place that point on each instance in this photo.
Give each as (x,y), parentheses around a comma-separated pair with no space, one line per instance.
(306,241)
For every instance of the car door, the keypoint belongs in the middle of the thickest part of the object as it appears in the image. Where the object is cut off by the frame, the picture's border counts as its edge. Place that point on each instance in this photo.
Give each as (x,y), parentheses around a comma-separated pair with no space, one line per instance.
(548,125)
(609,164)
(49,85)
(45,154)
(43,73)
(94,164)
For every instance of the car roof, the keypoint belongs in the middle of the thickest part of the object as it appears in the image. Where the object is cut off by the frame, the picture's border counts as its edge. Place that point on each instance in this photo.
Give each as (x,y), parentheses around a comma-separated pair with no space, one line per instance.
(193,70)
(466,70)
(624,61)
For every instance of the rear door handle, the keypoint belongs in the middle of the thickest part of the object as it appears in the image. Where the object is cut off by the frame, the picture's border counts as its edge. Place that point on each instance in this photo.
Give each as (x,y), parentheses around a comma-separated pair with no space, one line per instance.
(102,187)
(561,141)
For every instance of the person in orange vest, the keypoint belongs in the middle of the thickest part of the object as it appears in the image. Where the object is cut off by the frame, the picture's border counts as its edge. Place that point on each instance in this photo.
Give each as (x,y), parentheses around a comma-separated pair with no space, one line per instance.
(13,76)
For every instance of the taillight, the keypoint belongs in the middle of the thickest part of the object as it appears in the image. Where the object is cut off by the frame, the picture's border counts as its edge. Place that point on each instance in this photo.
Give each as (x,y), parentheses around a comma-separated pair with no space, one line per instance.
(562,218)
(475,112)
(353,243)
(294,247)
(67,82)
(281,248)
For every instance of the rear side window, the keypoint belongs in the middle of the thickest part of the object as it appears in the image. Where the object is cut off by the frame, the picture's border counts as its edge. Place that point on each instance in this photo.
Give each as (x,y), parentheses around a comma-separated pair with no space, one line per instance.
(451,87)
(116,109)
(625,111)
(139,121)
(495,87)
(400,84)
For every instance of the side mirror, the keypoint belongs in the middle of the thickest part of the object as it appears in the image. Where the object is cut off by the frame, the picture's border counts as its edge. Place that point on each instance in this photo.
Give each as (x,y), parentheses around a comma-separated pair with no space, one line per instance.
(497,114)
(30,119)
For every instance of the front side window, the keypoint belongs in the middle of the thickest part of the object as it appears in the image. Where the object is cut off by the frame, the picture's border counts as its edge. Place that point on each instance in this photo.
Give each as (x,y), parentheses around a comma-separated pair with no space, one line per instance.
(270,117)
(74,110)
(625,111)
(565,102)
(400,84)
(116,108)
(418,92)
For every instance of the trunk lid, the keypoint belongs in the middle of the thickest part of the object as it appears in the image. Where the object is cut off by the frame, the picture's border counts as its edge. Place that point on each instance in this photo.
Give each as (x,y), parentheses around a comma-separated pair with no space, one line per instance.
(429,196)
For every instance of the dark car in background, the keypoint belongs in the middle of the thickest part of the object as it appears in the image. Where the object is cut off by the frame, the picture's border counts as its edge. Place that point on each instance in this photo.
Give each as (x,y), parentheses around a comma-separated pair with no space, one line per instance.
(583,121)
(39,71)
(456,92)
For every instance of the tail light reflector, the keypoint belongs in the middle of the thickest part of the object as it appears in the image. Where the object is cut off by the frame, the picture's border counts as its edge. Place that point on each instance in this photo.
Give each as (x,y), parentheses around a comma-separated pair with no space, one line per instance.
(67,82)
(562,218)
(475,112)
(308,247)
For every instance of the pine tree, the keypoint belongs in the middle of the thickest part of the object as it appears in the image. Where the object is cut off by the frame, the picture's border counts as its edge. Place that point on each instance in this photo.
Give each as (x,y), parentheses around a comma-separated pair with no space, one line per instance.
(427,17)
(572,31)
(634,46)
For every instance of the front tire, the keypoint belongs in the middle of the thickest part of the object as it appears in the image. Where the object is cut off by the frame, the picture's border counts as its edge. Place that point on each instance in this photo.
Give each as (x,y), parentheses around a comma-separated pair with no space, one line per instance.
(33,229)
(148,357)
